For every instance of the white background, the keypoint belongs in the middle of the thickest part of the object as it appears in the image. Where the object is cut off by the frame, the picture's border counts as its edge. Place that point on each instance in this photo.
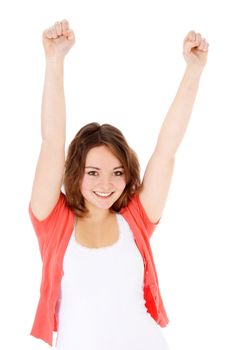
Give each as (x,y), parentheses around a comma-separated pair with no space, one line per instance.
(125,69)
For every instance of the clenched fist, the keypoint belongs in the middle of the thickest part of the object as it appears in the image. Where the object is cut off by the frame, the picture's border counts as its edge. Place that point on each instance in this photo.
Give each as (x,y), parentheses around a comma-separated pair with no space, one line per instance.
(195,49)
(58,40)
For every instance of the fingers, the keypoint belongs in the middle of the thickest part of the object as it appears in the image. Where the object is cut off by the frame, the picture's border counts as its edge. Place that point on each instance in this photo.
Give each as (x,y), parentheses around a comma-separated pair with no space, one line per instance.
(57,30)
(194,39)
(192,36)
(65,26)
(203,45)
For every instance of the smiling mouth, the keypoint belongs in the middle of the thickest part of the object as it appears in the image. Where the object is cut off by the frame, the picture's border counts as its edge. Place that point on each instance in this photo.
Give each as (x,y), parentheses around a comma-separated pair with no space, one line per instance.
(103,195)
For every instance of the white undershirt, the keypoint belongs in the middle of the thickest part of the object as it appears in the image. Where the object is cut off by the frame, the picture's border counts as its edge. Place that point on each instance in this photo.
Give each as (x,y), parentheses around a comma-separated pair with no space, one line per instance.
(101,304)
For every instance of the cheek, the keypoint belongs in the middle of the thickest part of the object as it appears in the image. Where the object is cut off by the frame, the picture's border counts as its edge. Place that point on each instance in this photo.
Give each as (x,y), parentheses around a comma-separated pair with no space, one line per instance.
(120,182)
(87,182)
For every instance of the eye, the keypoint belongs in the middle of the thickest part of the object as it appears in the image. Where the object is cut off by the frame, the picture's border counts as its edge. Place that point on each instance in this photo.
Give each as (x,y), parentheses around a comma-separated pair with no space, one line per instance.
(118,173)
(92,173)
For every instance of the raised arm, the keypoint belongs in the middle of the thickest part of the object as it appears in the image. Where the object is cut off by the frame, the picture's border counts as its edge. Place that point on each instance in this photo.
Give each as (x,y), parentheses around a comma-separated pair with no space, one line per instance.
(158,173)
(57,41)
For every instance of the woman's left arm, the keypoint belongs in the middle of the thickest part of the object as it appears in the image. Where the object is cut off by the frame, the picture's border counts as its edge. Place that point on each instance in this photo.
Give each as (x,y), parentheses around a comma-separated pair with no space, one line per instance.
(158,173)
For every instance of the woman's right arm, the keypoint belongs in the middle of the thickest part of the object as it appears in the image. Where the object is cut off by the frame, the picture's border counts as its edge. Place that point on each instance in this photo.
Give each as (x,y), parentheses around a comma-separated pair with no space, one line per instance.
(50,166)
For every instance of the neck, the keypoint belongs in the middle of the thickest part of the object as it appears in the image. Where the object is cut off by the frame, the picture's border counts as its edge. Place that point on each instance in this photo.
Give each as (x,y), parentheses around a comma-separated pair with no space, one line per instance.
(96,215)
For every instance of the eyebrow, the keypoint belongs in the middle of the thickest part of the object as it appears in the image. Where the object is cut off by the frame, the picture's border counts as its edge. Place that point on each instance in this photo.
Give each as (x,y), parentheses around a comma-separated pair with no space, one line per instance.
(94,167)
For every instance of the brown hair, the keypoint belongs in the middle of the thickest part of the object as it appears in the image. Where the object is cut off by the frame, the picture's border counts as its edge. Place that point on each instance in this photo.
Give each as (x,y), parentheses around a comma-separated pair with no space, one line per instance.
(93,135)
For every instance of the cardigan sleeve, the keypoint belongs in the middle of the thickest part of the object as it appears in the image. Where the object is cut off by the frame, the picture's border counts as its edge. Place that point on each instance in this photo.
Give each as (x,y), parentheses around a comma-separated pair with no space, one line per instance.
(139,209)
(43,228)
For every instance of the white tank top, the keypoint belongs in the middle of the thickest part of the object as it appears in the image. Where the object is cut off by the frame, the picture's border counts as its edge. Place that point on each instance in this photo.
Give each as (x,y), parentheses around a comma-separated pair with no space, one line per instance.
(101,304)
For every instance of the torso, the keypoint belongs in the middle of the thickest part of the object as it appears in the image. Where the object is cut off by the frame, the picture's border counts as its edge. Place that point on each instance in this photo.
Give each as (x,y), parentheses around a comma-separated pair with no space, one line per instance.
(95,235)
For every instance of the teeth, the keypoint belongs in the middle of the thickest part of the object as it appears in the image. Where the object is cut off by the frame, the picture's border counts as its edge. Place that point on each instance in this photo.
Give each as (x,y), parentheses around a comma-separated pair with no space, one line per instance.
(103,194)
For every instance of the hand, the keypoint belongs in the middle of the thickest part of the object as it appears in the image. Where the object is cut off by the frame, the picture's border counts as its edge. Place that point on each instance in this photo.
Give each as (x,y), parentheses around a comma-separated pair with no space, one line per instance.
(58,40)
(195,50)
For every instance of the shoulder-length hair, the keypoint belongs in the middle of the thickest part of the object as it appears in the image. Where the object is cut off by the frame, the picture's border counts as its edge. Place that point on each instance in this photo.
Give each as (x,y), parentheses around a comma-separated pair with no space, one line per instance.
(93,135)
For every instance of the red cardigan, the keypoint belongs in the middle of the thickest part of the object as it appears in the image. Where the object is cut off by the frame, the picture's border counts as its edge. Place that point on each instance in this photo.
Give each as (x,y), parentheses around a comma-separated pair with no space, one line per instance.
(53,234)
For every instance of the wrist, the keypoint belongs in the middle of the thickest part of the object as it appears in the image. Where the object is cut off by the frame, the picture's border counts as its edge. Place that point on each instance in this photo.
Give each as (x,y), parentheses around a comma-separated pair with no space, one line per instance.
(58,60)
(194,70)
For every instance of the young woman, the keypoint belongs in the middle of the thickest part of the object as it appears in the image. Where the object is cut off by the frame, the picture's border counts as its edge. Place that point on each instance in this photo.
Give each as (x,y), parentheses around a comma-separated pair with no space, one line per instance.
(99,287)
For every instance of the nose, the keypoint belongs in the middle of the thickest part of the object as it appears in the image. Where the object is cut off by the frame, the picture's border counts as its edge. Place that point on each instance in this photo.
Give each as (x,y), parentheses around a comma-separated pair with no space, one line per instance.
(106,184)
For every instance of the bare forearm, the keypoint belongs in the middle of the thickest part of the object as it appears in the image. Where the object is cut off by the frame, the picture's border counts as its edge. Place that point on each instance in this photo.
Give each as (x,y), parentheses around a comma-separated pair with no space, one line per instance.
(53,110)
(177,118)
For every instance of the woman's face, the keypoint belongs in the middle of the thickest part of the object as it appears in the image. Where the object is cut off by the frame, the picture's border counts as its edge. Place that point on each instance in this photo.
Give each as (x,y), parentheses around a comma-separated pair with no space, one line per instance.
(104,178)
